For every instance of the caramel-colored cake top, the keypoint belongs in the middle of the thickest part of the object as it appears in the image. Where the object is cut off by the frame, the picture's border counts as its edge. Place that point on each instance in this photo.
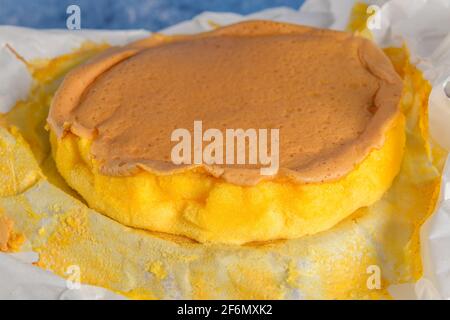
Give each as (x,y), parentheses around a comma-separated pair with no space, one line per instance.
(332,95)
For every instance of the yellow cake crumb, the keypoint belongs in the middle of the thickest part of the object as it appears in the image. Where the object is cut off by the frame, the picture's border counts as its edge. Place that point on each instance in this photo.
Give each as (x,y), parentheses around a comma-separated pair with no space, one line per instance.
(10,241)
(157,269)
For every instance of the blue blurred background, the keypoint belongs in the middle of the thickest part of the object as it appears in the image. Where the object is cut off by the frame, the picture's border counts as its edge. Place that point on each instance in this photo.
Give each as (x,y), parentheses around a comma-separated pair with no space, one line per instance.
(124,14)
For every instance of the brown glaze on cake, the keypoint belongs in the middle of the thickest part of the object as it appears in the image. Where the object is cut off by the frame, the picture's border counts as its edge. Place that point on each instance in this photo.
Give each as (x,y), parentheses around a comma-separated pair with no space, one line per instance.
(332,95)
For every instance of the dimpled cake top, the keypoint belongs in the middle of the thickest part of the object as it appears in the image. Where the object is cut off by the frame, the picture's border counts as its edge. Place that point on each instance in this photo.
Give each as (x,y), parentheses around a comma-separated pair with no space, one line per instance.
(331,94)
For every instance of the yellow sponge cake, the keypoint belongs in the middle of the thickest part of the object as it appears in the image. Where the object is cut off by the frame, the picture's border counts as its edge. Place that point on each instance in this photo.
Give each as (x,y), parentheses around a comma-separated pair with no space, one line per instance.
(333,97)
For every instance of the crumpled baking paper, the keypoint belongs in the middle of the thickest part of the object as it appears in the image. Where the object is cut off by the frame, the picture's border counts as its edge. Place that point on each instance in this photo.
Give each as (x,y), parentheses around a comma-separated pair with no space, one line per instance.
(21,280)
(422,24)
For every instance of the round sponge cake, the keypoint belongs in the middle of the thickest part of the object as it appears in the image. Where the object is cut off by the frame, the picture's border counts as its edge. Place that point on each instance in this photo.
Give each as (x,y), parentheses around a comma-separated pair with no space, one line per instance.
(334,98)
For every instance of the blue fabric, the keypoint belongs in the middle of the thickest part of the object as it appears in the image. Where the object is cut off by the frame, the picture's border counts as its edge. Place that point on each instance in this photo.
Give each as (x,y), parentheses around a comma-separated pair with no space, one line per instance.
(124,14)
